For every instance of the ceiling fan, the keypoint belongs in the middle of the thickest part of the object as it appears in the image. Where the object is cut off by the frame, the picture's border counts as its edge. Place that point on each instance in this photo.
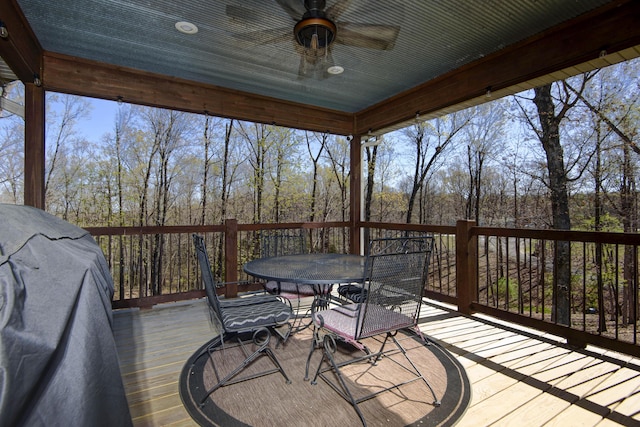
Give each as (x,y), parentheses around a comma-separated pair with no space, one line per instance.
(316,30)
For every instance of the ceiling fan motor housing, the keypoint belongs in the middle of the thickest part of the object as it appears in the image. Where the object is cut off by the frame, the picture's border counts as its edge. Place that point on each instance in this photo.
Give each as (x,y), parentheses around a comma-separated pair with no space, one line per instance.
(315,30)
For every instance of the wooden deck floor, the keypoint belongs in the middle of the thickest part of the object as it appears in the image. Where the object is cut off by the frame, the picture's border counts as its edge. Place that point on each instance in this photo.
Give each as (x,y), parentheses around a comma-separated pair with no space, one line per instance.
(519,377)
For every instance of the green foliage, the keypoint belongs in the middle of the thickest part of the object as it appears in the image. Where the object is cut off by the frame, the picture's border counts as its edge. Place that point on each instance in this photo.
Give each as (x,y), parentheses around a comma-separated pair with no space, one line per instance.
(608,222)
(507,289)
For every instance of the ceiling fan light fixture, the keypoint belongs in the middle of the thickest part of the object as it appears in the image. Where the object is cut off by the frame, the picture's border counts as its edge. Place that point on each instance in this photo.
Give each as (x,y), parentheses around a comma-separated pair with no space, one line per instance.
(315,32)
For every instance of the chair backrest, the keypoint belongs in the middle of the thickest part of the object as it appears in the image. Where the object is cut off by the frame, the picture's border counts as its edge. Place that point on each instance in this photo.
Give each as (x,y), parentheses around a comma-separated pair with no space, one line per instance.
(207,275)
(282,242)
(395,275)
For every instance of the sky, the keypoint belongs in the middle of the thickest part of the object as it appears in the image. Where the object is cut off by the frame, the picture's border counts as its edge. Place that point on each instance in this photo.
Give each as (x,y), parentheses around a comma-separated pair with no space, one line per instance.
(100,120)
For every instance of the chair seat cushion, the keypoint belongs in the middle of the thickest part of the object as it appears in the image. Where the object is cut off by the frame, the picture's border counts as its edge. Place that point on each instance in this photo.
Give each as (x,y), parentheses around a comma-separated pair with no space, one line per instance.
(247,317)
(296,288)
(345,322)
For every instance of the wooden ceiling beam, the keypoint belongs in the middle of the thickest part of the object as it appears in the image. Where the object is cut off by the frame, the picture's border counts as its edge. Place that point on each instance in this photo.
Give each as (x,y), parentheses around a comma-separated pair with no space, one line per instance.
(20,49)
(66,74)
(610,29)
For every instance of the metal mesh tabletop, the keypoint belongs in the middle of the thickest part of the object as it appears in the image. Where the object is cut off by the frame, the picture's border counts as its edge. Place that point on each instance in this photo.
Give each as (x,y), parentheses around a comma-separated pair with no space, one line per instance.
(308,268)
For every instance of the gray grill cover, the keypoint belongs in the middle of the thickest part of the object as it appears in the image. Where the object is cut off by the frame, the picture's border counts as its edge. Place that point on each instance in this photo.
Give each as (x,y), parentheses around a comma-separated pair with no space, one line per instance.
(58,359)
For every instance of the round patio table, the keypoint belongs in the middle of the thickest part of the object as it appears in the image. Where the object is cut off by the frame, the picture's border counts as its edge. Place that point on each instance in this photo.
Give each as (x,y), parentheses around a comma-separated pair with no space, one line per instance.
(316,271)
(311,269)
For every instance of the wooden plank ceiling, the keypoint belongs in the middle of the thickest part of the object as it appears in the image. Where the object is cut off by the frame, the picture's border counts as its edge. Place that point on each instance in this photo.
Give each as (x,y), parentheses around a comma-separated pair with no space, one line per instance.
(589,38)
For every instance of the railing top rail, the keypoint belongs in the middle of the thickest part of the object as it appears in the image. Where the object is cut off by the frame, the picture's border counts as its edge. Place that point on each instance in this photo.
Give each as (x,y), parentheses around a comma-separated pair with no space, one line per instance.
(560,235)
(172,229)
(153,229)
(443,229)
(288,225)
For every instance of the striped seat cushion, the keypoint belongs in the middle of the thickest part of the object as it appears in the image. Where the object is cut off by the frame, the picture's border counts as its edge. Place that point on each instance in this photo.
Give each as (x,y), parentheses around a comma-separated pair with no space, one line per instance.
(354,293)
(247,317)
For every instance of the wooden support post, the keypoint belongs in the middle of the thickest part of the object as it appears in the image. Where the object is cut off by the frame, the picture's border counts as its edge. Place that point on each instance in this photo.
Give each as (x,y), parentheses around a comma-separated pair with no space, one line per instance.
(355,195)
(466,265)
(34,146)
(231,257)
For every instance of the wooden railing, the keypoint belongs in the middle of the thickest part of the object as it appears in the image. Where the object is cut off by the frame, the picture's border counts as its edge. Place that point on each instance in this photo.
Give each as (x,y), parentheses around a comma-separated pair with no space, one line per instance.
(442,279)
(513,275)
(151,265)
(510,274)
(505,273)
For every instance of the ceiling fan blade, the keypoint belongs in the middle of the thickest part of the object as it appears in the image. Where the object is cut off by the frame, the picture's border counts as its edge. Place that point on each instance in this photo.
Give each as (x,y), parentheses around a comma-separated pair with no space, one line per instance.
(262,37)
(338,9)
(244,15)
(294,8)
(373,36)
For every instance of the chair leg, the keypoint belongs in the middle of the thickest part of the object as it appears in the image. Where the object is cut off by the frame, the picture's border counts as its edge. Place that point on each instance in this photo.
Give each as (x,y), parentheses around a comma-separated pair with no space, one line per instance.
(315,344)
(283,335)
(276,362)
(330,348)
(214,343)
(299,324)
(263,349)
(436,402)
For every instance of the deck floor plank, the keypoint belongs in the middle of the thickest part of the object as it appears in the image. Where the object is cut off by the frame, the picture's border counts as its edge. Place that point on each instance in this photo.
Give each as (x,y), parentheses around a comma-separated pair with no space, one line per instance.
(513,374)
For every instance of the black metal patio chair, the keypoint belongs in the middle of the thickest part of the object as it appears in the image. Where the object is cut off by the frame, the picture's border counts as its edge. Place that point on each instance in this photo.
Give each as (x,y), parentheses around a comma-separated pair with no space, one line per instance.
(248,321)
(390,300)
(355,292)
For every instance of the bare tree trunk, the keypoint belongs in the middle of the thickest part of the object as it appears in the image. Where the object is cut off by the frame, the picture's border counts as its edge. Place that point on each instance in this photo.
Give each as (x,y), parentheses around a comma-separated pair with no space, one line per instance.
(372,153)
(478,182)
(550,138)
(628,203)
(627,193)
(602,324)
(609,271)
(224,195)
(470,192)
(258,145)
(627,208)
(314,159)
(338,154)
(205,171)
(421,140)
(278,183)
(143,250)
